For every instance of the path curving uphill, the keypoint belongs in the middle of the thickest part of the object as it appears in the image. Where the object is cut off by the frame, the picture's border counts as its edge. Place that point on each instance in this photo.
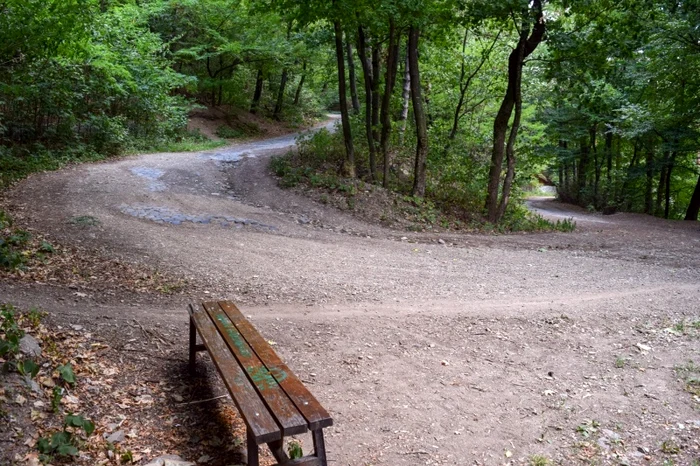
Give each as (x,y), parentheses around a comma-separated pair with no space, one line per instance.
(424,352)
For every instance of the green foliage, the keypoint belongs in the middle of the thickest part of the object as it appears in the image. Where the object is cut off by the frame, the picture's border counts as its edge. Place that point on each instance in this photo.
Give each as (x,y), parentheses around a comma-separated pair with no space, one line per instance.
(227,132)
(56,397)
(539,460)
(27,368)
(66,373)
(294,450)
(65,443)
(11,332)
(34,317)
(13,243)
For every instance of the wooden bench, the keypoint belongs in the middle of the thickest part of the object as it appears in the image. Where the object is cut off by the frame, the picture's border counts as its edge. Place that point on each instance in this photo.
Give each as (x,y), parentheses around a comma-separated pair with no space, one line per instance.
(272,401)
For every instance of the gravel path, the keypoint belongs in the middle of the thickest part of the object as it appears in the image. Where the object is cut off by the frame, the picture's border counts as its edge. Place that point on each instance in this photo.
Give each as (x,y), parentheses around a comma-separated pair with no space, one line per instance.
(481,350)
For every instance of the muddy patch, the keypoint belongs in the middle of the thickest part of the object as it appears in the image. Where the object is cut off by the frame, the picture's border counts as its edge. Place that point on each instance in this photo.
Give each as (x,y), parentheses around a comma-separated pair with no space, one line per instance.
(174,217)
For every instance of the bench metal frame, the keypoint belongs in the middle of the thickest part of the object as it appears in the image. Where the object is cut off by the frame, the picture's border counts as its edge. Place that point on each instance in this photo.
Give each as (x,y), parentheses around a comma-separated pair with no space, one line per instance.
(272,401)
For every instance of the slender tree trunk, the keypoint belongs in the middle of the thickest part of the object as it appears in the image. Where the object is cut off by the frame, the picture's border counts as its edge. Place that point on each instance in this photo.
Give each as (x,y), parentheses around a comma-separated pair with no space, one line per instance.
(389,83)
(609,155)
(280,94)
(661,189)
(622,195)
(694,206)
(353,77)
(418,113)
(221,79)
(462,87)
(593,133)
(669,171)
(258,93)
(582,169)
(368,75)
(648,194)
(526,45)
(510,155)
(348,168)
(297,94)
(376,94)
(406,96)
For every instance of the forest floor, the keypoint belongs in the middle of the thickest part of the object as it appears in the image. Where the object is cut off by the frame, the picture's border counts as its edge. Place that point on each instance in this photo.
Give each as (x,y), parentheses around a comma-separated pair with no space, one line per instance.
(427,348)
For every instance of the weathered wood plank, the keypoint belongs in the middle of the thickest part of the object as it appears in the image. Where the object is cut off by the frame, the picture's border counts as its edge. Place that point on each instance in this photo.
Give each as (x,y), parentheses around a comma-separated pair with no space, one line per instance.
(261,425)
(275,398)
(312,410)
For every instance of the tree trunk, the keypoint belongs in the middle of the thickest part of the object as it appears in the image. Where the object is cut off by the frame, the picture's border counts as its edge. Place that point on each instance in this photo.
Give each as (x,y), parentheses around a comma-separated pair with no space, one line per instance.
(280,94)
(258,93)
(510,155)
(418,113)
(593,133)
(406,96)
(389,83)
(609,155)
(376,95)
(648,194)
(625,184)
(348,168)
(661,189)
(353,78)
(694,206)
(462,87)
(368,75)
(376,98)
(526,45)
(582,169)
(669,170)
(297,94)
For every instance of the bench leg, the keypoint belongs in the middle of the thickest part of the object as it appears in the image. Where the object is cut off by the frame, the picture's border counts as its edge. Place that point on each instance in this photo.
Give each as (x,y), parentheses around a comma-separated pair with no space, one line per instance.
(193,346)
(320,446)
(253,459)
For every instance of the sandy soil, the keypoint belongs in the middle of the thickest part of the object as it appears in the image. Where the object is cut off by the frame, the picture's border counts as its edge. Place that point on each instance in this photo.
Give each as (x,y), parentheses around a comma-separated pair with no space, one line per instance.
(481,350)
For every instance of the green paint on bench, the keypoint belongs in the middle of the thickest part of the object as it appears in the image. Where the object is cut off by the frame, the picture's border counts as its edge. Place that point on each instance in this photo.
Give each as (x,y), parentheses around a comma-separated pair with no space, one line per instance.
(233,333)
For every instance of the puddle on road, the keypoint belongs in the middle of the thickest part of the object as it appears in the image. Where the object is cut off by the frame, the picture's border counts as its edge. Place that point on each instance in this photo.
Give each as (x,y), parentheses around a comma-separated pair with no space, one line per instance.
(173,217)
(151,174)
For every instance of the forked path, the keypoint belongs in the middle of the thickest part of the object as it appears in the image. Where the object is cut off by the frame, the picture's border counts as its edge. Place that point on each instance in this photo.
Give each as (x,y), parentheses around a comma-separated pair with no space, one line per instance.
(474,350)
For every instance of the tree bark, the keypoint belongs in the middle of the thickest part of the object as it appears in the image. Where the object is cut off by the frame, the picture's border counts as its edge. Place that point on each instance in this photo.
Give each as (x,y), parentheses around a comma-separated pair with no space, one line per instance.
(280,94)
(406,96)
(352,77)
(510,156)
(376,94)
(418,113)
(648,194)
(297,94)
(389,83)
(526,45)
(669,171)
(593,133)
(694,206)
(348,168)
(582,169)
(258,93)
(661,189)
(369,86)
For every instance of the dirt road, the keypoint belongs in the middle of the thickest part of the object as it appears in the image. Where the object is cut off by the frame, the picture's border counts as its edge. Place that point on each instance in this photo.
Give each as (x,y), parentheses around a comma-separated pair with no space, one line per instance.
(481,350)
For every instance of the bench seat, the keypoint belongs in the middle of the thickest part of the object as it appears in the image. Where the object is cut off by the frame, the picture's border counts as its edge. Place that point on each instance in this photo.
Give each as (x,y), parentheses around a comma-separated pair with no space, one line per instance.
(272,401)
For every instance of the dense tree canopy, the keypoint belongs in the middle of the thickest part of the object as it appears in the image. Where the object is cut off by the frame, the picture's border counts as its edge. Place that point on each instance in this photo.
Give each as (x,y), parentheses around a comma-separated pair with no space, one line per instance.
(459,101)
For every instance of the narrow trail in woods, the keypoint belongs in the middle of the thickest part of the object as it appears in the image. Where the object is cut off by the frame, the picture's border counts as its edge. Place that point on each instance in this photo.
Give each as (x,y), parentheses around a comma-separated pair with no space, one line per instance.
(481,350)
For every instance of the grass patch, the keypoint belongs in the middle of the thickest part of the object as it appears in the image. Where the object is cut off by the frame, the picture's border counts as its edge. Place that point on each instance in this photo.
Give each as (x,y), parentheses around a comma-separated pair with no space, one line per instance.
(181,145)
(18,162)
(690,374)
(539,460)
